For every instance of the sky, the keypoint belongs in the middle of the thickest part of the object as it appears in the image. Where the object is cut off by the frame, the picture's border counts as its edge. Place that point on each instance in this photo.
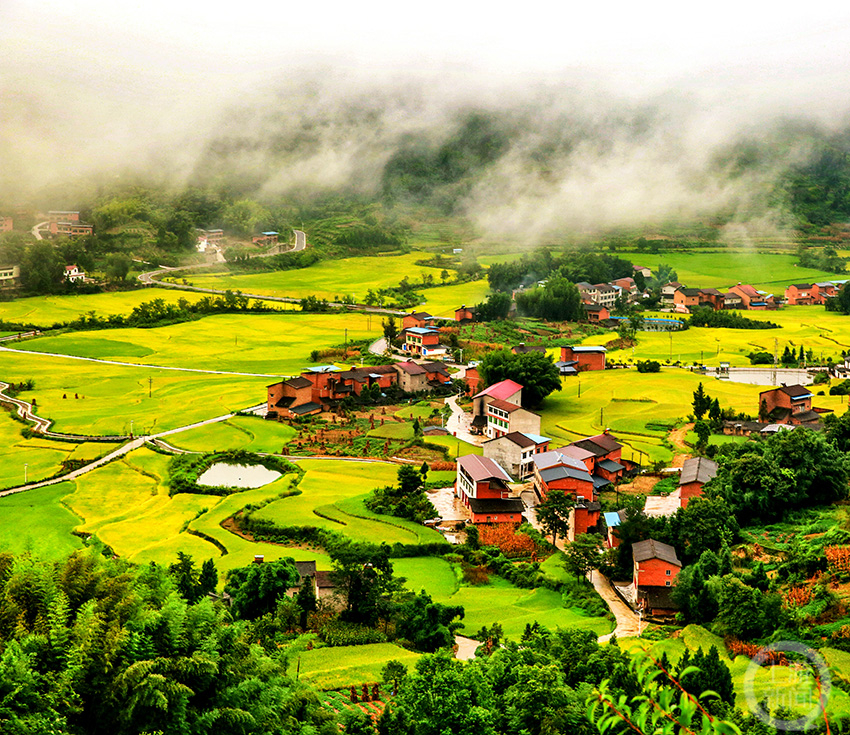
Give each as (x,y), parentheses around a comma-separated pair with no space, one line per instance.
(85,83)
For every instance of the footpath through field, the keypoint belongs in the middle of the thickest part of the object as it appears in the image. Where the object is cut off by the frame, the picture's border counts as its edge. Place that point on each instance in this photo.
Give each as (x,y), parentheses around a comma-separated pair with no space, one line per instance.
(460,422)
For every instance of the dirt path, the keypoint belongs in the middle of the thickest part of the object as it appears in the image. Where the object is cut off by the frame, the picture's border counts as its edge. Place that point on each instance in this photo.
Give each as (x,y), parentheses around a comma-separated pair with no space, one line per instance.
(628,624)
(677,438)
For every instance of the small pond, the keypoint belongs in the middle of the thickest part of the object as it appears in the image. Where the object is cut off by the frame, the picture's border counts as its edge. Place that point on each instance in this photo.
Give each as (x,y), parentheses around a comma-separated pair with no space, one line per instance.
(237,475)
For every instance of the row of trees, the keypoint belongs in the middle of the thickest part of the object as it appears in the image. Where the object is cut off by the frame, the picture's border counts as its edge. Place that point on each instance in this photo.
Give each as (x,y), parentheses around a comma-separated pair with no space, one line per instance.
(574,266)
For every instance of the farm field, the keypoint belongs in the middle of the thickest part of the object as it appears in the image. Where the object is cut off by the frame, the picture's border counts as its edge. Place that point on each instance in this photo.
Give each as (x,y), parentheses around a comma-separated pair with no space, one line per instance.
(332,494)
(328,668)
(330,279)
(770,683)
(825,333)
(638,407)
(768,271)
(116,395)
(272,344)
(43,457)
(36,521)
(240,432)
(49,310)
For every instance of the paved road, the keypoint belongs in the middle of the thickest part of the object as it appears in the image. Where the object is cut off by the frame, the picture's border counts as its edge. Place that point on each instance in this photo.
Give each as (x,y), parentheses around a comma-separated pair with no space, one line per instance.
(138,364)
(460,422)
(36,231)
(19,335)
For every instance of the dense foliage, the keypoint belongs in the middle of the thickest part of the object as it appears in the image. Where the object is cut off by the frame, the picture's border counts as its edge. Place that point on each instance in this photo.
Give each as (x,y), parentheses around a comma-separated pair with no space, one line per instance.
(534,371)
(91,647)
(572,266)
(705,316)
(558,300)
(407,499)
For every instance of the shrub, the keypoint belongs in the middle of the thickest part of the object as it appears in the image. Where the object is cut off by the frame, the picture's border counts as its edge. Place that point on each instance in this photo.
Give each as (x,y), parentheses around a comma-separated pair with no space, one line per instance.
(648,366)
(338,633)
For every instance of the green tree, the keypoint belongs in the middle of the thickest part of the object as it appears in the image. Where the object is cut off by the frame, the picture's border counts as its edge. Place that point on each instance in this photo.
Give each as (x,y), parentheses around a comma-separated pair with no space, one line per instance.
(701,402)
(703,431)
(306,600)
(496,306)
(390,329)
(428,625)
(705,523)
(534,371)
(255,589)
(42,268)
(553,513)
(393,672)
(118,266)
(583,554)
(363,575)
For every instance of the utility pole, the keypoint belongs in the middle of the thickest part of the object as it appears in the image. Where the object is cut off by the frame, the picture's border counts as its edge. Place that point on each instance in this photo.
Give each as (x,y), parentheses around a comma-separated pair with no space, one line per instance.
(602,418)
(775,351)
(346,337)
(671,345)
(150,386)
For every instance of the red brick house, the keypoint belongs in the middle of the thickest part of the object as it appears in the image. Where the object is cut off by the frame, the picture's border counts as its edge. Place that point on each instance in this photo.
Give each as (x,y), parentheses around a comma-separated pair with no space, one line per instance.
(800,294)
(554,470)
(482,478)
(655,564)
(596,313)
(587,357)
(711,297)
(71,229)
(473,381)
(504,390)
(612,523)
(788,404)
(292,397)
(696,472)
(57,215)
(508,510)
(824,291)
(464,314)
(585,516)
(751,298)
(686,297)
(420,319)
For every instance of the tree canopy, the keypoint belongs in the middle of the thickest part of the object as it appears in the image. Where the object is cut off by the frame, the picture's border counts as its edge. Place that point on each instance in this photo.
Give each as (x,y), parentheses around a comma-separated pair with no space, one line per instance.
(534,371)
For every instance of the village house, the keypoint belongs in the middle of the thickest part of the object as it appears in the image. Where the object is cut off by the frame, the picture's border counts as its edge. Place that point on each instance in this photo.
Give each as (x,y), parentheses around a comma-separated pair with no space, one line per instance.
(798,294)
(291,397)
(606,294)
(596,313)
(824,291)
(418,319)
(751,298)
(266,238)
(655,564)
(465,314)
(627,284)
(696,472)
(613,520)
(668,291)
(587,357)
(71,229)
(555,470)
(412,377)
(422,341)
(656,567)
(473,380)
(211,237)
(686,297)
(10,275)
(504,390)
(482,485)
(643,270)
(58,215)
(567,368)
(788,404)
(711,297)
(584,517)
(6,224)
(515,451)
(73,274)
(323,587)
(504,417)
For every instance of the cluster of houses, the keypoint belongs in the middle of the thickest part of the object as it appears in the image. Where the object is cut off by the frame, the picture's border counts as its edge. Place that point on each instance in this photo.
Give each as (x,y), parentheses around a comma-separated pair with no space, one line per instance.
(679,298)
(67,224)
(805,294)
(324,387)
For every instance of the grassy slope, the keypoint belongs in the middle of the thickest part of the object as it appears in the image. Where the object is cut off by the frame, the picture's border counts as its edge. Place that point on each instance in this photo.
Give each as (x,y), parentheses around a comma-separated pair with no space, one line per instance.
(240,432)
(38,522)
(327,668)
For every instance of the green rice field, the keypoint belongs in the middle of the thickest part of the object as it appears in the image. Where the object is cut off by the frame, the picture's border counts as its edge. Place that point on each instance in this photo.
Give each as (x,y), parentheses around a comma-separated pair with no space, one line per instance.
(49,310)
(110,397)
(272,344)
(240,432)
(329,668)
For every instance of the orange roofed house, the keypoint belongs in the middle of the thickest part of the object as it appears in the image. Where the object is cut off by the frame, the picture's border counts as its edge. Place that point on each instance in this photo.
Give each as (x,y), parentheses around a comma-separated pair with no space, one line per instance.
(482,486)
(497,411)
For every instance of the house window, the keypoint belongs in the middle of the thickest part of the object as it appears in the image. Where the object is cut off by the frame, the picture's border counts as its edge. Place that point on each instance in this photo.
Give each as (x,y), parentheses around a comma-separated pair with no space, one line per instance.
(667,583)
(667,572)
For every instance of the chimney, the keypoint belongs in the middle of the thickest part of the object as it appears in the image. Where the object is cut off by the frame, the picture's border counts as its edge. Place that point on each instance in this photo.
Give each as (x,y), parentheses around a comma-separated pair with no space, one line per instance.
(259,558)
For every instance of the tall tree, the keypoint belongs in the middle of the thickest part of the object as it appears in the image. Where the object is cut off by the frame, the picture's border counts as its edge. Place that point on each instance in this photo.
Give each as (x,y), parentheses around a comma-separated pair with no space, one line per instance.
(534,371)
(255,589)
(554,513)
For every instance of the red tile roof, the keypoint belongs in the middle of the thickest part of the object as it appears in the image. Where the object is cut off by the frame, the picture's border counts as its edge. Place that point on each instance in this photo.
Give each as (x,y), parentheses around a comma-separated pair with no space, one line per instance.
(501,390)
